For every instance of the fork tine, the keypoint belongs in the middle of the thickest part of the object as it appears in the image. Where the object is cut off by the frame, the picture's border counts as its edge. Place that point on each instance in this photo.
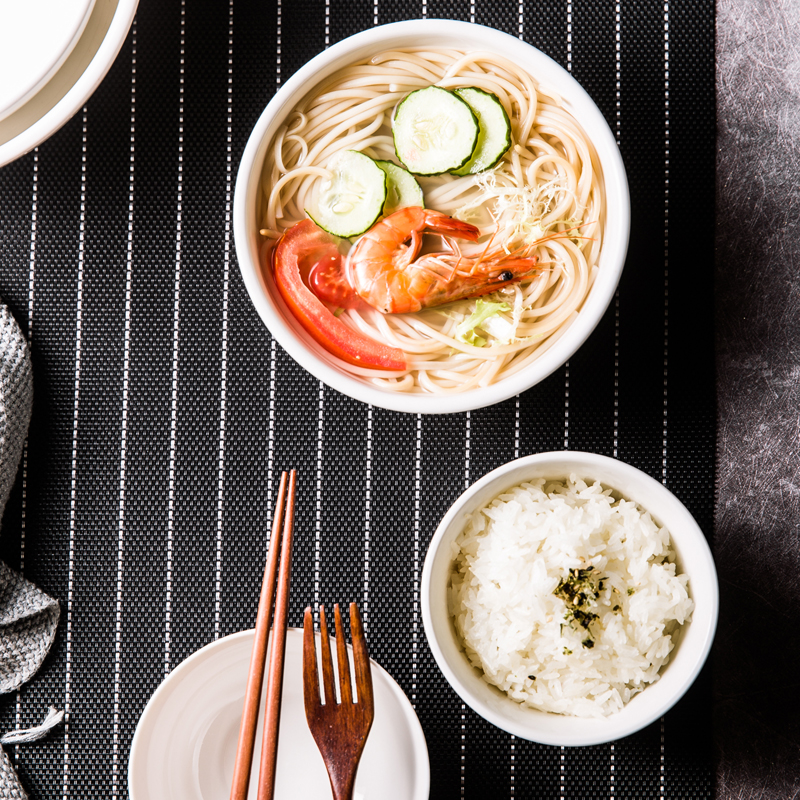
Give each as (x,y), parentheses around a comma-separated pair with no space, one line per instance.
(327,661)
(361,660)
(344,662)
(310,674)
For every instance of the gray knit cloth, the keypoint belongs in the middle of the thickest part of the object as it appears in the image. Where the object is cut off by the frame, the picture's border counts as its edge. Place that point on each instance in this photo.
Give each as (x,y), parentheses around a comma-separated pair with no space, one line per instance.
(28,617)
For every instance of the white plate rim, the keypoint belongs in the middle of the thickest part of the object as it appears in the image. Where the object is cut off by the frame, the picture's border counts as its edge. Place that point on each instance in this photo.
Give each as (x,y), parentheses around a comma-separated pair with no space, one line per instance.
(138,744)
(74,98)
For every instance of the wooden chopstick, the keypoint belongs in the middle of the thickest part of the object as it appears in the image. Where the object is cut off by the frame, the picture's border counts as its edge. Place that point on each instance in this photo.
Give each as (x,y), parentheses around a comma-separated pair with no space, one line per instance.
(278,551)
(272,713)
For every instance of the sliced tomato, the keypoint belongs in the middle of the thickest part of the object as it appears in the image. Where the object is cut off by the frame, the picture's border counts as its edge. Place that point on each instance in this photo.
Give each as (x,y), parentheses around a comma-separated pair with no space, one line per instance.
(321,267)
(326,279)
(297,255)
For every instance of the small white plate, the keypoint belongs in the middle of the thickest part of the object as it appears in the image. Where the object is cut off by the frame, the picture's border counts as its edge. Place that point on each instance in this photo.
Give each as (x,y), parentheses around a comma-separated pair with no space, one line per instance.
(185,743)
(35,38)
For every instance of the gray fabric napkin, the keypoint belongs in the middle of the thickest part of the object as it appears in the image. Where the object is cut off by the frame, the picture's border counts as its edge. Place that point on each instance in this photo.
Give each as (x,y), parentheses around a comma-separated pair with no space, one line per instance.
(28,617)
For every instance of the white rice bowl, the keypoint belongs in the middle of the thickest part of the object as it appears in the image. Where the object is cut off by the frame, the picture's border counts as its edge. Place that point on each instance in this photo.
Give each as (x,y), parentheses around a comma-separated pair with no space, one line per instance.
(511,558)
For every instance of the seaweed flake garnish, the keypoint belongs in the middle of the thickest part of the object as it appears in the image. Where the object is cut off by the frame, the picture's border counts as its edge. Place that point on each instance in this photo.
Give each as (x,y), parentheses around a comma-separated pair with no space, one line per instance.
(580,592)
(588,643)
(583,618)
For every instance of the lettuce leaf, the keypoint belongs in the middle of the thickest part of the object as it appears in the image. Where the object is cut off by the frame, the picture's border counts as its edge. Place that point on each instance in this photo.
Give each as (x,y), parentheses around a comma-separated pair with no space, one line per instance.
(484,309)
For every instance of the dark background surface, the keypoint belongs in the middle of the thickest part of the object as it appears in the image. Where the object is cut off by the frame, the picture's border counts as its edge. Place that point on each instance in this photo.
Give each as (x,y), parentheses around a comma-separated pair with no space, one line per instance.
(757,711)
(164,411)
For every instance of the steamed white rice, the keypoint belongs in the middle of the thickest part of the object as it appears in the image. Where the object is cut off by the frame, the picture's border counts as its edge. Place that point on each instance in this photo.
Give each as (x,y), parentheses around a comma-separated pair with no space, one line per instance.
(514,554)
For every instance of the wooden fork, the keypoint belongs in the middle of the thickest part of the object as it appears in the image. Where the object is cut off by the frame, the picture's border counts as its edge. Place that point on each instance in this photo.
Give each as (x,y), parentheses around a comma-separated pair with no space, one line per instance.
(339,729)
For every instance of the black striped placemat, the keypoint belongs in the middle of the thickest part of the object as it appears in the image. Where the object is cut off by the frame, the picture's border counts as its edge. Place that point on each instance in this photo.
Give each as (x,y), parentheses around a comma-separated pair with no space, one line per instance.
(164,411)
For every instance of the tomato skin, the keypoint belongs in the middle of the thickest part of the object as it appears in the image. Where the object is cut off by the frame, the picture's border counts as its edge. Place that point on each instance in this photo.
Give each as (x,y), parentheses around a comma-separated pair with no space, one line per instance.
(326,280)
(298,251)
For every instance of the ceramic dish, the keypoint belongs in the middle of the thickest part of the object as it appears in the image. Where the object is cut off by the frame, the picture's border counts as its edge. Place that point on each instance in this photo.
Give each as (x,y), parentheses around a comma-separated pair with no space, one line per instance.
(693,641)
(185,743)
(35,39)
(83,61)
(432,33)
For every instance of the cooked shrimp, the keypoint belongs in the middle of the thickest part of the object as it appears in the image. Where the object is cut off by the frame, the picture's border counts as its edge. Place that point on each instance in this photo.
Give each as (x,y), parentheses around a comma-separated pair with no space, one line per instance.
(386,271)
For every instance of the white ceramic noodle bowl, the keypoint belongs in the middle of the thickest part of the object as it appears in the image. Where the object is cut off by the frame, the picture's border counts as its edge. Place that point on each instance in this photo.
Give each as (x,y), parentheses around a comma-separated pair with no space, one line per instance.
(693,642)
(444,33)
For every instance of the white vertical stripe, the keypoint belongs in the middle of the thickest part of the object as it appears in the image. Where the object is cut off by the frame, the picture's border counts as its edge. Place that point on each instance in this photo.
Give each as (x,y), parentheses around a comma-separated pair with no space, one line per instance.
(34,233)
(278,33)
(223,382)
(618,63)
(521,20)
(612,790)
(327,22)
(472,12)
(318,509)
(463,748)
(24,513)
(273,354)
(415,595)
(31,284)
(375,11)
(512,787)
(662,785)
(467,447)
(74,464)
(569,37)
(176,315)
(123,458)
(367,514)
(566,406)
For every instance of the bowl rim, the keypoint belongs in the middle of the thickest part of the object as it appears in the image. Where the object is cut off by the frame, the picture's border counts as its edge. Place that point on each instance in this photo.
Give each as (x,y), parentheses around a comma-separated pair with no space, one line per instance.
(311,356)
(704,620)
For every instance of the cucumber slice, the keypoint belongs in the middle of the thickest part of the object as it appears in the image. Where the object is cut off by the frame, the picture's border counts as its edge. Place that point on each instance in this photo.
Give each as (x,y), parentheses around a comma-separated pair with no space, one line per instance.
(494,138)
(352,200)
(402,189)
(434,131)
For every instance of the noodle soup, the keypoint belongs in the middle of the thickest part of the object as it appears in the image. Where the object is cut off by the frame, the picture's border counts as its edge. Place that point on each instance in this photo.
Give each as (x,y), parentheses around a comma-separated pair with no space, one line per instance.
(546,200)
